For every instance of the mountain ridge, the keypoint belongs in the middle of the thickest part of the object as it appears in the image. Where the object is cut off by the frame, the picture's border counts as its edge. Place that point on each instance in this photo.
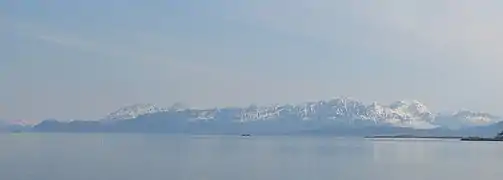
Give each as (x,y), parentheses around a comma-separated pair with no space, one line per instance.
(404,113)
(333,116)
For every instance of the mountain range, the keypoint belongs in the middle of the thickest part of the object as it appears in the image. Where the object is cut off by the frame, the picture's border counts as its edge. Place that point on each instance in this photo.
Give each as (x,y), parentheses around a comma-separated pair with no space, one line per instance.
(6,126)
(338,116)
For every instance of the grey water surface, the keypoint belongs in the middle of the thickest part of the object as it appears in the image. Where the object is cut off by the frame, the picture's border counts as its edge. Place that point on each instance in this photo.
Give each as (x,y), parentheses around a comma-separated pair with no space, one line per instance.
(176,157)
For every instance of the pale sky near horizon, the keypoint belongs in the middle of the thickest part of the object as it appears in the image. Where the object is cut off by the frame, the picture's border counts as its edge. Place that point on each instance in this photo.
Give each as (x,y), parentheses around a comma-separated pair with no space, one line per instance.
(82,59)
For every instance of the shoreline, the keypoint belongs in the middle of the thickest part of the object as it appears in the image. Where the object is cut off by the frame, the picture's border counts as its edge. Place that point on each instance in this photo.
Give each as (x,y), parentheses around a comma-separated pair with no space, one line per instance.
(413,137)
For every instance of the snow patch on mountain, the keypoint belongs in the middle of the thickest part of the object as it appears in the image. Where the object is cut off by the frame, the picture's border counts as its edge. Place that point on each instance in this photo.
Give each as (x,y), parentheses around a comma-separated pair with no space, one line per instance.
(466,118)
(476,118)
(18,122)
(133,111)
(411,114)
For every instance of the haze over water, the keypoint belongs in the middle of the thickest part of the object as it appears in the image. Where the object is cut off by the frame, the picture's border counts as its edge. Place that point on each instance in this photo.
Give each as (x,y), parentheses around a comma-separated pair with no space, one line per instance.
(160,157)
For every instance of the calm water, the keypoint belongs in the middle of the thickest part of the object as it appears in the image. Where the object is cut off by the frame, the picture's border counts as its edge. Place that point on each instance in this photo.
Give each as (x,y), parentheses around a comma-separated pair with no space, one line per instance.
(163,157)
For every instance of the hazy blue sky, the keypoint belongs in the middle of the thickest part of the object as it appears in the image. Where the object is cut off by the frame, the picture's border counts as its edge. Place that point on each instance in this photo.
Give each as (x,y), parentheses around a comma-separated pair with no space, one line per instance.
(83,59)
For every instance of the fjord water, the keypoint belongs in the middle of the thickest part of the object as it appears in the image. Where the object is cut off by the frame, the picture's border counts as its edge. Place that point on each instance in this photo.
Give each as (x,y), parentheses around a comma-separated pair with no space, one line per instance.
(161,157)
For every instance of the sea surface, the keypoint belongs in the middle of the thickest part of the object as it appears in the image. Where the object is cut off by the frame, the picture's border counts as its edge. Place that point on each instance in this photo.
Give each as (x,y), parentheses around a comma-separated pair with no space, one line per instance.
(172,157)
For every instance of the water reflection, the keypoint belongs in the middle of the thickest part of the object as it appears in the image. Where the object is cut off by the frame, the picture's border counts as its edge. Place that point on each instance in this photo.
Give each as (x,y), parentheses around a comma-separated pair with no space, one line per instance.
(158,157)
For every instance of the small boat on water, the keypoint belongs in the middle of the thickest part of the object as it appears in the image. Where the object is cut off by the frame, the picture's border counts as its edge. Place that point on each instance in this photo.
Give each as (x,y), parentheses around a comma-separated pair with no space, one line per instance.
(245,135)
(498,137)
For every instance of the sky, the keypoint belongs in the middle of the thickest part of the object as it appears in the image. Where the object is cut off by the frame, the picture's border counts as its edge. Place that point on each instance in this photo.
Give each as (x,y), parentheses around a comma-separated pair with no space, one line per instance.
(85,58)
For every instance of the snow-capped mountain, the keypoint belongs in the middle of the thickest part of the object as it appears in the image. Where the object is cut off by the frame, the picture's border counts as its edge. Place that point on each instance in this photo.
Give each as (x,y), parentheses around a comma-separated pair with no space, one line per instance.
(343,116)
(133,111)
(14,125)
(465,118)
(345,110)
(342,111)
(411,114)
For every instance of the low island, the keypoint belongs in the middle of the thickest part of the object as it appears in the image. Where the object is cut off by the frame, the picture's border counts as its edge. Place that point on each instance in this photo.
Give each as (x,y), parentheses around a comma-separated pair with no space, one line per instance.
(498,137)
